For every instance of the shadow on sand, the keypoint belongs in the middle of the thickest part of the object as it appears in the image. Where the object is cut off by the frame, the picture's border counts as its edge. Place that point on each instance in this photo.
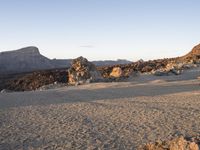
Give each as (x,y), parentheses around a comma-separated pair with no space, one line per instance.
(8,100)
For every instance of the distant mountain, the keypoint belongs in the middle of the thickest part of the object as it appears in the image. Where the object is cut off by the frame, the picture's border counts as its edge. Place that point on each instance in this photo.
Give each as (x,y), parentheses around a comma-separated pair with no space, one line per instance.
(111,62)
(61,63)
(29,59)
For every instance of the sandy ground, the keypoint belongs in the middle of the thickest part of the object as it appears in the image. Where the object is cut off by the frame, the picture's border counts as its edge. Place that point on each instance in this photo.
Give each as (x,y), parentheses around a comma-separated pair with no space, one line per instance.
(120,115)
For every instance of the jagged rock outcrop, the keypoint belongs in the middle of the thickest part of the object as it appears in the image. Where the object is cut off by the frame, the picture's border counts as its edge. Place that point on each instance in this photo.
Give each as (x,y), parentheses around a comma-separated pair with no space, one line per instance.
(83,71)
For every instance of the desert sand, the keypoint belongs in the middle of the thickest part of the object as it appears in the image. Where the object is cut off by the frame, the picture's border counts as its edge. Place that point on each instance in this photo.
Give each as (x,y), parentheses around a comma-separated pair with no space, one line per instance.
(120,115)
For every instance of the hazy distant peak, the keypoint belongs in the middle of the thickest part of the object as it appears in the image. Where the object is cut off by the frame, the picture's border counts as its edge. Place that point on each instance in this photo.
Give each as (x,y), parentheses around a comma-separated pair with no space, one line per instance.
(30,49)
(25,50)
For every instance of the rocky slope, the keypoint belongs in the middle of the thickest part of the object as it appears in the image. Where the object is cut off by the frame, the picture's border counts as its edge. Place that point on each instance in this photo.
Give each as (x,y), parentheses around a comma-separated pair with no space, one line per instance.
(157,67)
(194,54)
(195,51)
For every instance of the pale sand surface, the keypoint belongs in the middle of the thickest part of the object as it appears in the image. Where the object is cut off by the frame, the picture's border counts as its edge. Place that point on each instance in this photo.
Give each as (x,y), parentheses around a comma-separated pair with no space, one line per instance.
(102,115)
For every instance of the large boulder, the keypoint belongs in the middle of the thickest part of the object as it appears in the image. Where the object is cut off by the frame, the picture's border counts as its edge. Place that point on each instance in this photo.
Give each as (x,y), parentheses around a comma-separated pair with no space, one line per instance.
(116,72)
(83,71)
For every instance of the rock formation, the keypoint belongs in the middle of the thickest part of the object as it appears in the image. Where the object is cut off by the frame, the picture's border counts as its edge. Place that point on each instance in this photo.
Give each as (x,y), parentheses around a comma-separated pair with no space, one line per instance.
(83,71)
(116,72)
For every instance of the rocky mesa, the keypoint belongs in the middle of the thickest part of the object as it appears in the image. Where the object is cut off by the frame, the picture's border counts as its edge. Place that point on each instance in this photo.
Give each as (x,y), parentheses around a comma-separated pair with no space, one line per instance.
(27,59)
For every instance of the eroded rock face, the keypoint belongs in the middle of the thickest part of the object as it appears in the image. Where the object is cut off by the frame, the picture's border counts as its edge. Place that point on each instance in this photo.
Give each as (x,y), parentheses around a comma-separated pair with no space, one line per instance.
(175,144)
(83,71)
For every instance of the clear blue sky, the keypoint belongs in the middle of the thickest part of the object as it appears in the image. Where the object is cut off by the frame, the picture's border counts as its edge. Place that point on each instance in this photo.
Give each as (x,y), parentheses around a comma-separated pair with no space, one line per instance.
(101,29)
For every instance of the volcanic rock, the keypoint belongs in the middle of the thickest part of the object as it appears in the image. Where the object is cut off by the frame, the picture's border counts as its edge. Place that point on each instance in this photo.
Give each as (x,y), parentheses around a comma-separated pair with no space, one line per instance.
(195,51)
(116,72)
(194,55)
(178,143)
(83,71)
(147,69)
(35,80)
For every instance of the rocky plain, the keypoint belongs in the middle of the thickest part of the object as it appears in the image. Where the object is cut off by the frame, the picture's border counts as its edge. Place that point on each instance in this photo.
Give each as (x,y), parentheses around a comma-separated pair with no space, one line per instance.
(144,105)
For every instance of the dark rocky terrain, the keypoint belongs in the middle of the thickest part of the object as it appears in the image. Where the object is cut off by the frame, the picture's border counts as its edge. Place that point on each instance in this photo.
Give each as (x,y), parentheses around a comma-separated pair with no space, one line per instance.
(29,59)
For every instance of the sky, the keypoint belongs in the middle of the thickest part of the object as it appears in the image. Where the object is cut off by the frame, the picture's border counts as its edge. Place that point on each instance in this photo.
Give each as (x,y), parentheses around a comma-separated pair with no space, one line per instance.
(101,29)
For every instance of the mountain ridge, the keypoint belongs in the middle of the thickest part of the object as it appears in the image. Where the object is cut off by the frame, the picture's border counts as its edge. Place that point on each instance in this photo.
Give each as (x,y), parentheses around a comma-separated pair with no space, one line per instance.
(30,59)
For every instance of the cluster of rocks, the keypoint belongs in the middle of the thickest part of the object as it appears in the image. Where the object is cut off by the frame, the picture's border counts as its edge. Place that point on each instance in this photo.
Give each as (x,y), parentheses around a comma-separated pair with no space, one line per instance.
(160,67)
(178,143)
(127,70)
(175,68)
(35,80)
